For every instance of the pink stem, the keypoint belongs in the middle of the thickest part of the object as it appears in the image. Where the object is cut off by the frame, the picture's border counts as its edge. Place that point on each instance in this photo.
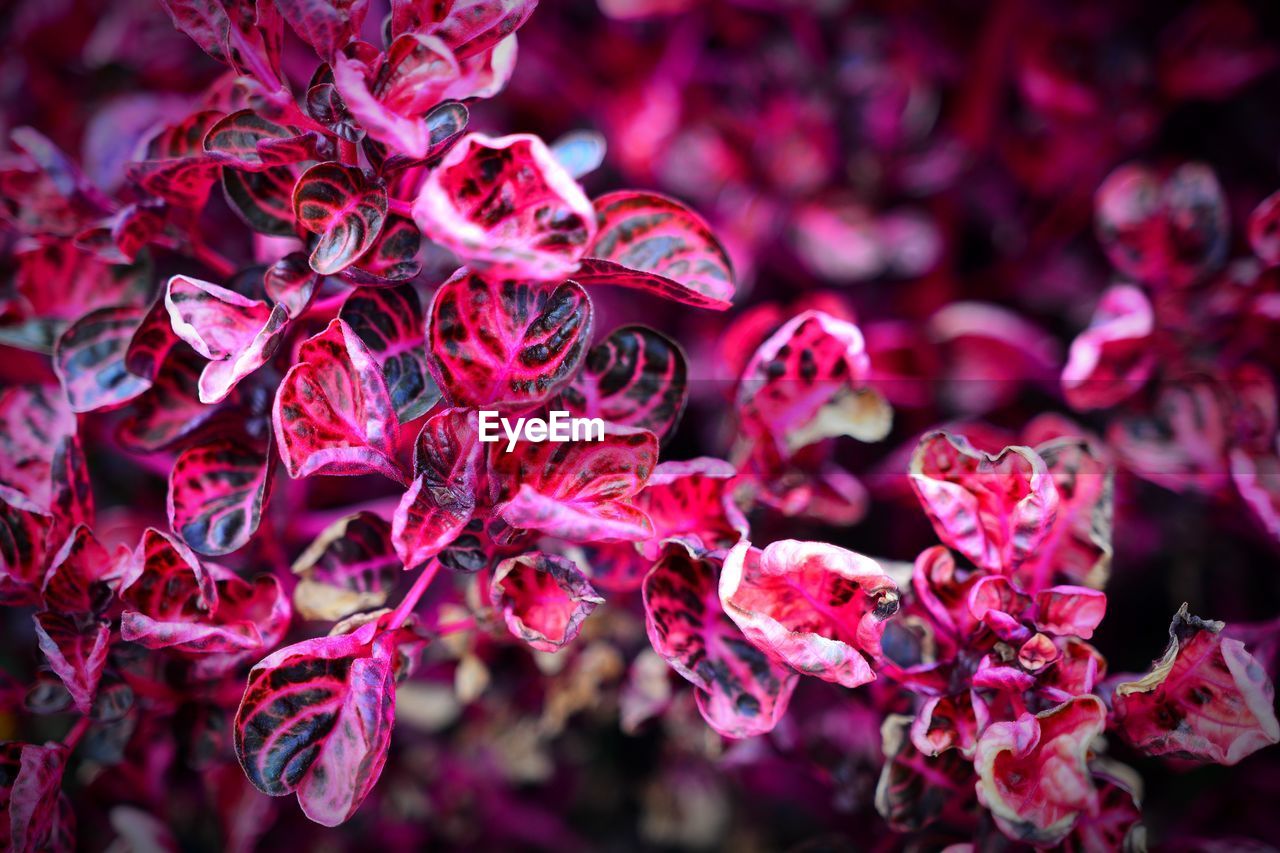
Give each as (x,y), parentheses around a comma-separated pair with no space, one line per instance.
(77,731)
(222,266)
(411,599)
(401,207)
(447,628)
(347,151)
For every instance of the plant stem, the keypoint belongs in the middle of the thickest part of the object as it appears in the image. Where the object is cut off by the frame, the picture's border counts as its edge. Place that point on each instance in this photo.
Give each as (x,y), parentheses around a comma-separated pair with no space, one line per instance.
(347,151)
(222,266)
(401,207)
(72,737)
(410,601)
(447,628)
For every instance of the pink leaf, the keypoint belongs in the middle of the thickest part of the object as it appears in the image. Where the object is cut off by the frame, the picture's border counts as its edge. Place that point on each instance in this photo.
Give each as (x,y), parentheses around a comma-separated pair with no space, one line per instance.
(741,691)
(1033,773)
(351,566)
(389,321)
(635,377)
(333,414)
(217,494)
(1171,231)
(543,598)
(76,649)
(29,794)
(996,510)
(89,359)
(326,25)
(577,490)
(814,607)
(507,208)
(442,498)
(237,334)
(173,601)
(316,719)
(344,208)
(807,382)
(508,343)
(656,244)
(1206,700)
(1113,358)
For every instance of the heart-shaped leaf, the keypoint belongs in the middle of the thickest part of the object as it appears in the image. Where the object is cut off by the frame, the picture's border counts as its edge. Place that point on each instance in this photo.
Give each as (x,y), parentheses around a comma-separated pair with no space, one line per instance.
(89,359)
(741,692)
(237,334)
(635,377)
(505,343)
(333,414)
(656,244)
(576,490)
(76,650)
(316,719)
(507,207)
(543,598)
(217,493)
(442,497)
(996,510)
(344,208)
(350,567)
(389,321)
(814,607)
(1170,231)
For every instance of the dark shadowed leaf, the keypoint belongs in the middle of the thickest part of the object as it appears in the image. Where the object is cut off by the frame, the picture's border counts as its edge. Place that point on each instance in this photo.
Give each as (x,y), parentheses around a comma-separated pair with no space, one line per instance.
(89,359)
(344,209)
(217,493)
(389,320)
(635,377)
(350,567)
